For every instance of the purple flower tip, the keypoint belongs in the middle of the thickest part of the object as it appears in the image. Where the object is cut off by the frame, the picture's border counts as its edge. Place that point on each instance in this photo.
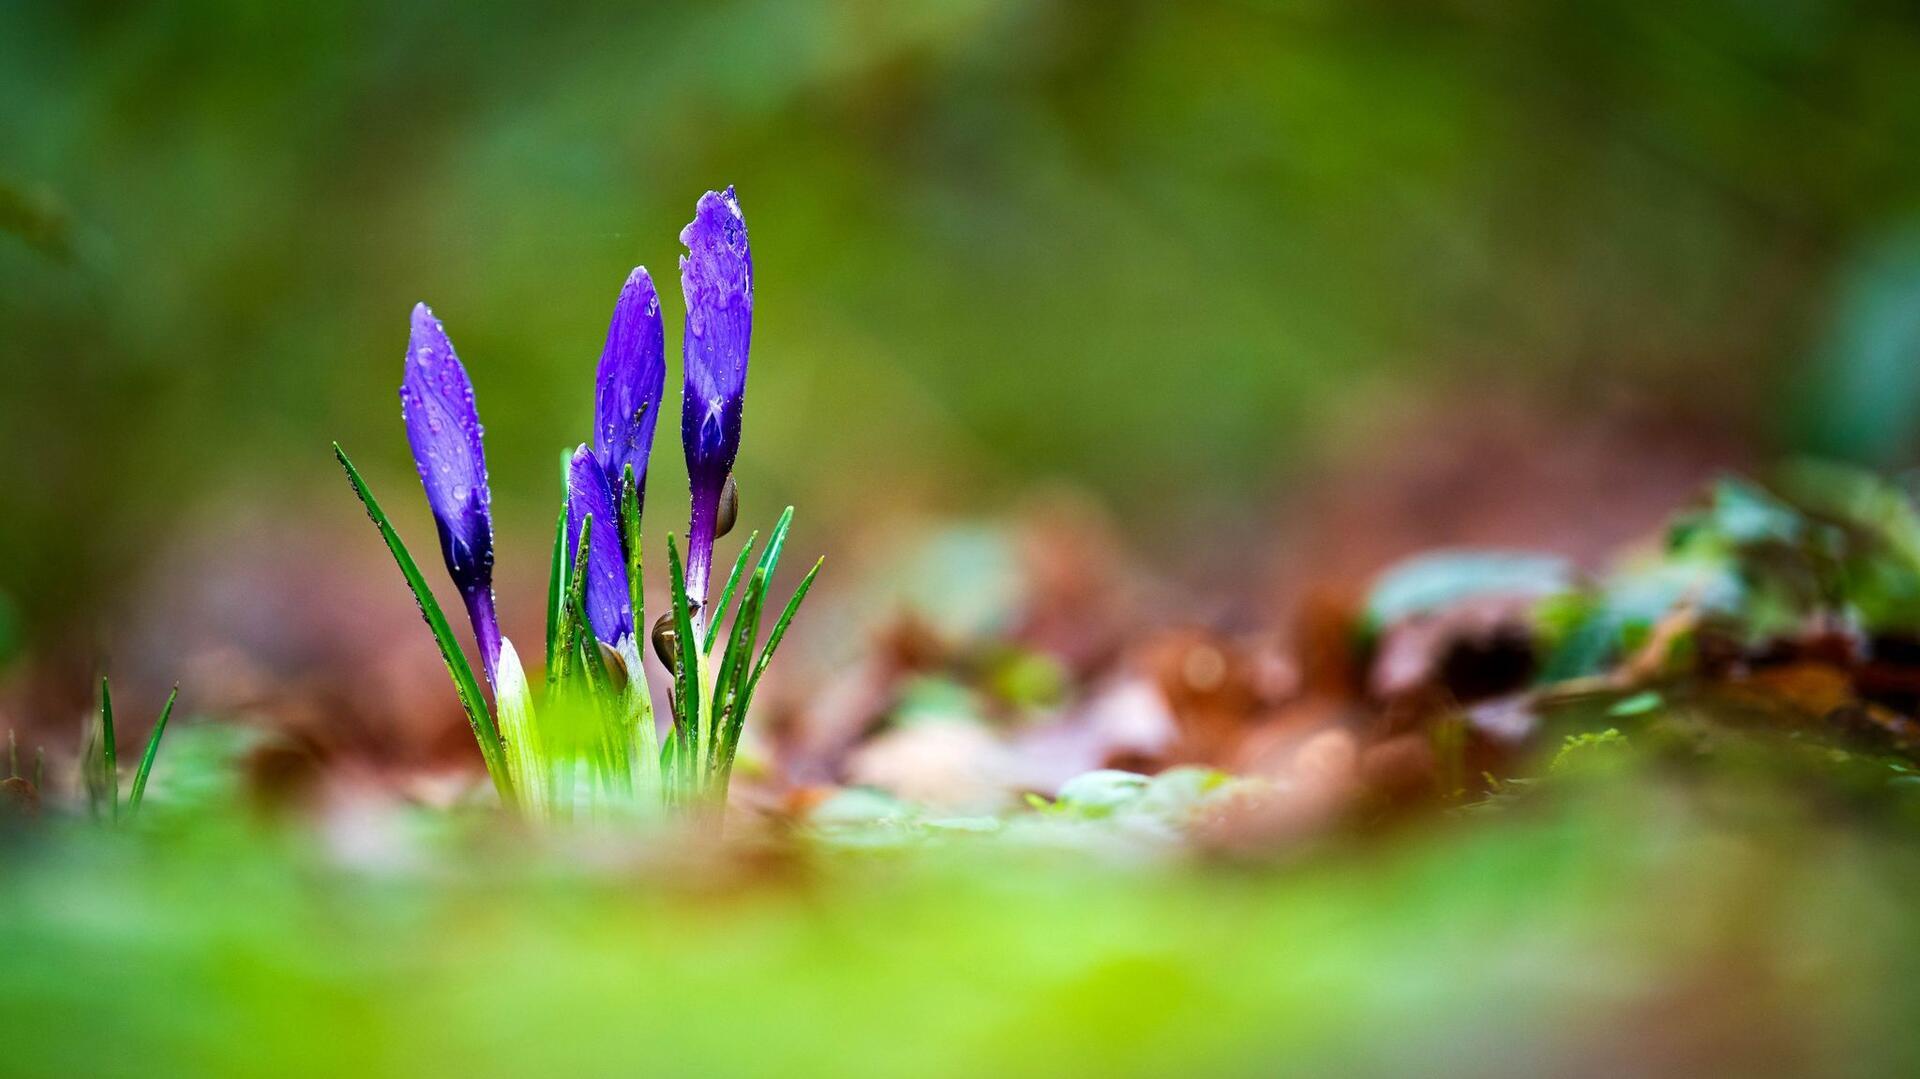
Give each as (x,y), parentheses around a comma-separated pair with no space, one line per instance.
(443,429)
(716,275)
(631,381)
(609,604)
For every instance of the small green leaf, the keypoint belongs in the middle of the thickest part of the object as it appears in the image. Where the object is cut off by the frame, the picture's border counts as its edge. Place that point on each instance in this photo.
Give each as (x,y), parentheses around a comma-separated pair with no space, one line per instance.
(153,750)
(1746,513)
(464,683)
(1590,751)
(1097,794)
(1637,705)
(1431,581)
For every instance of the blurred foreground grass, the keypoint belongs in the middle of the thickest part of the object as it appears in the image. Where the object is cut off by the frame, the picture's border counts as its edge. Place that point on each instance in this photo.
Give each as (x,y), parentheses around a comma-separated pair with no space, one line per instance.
(1631,920)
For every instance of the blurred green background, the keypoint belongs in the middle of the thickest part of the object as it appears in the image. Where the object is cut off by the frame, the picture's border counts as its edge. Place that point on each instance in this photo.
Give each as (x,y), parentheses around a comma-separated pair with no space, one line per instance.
(1167,251)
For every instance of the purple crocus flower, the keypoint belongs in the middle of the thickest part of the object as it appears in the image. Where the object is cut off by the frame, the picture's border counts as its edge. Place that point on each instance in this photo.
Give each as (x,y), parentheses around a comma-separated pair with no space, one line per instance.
(632,377)
(443,428)
(716,274)
(609,606)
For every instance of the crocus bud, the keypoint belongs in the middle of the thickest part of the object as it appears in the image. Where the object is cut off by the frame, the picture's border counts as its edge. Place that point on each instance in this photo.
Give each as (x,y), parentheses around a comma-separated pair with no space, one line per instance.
(716,274)
(609,604)
(632,377)
(443,429)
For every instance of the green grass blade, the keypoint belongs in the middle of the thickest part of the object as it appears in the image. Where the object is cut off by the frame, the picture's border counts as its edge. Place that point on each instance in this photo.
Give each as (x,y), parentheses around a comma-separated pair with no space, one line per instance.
(728,716)
(760,668)
(567,633)
(744,695)
(763,572)
(599,679)
(609,748)
(719,610)
(153,750)
(109,753)
(464,683)
(777,542)
(644,738)
(631,497)
(769,559)
(686,679)
(780,626)
(740,685)
(669,767)
(630,543)
(556,583)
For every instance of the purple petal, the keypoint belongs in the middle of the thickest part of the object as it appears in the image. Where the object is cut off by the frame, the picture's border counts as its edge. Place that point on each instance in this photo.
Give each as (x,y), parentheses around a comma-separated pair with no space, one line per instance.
(632,377)
(443,428)
(609,605)
(716,274)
